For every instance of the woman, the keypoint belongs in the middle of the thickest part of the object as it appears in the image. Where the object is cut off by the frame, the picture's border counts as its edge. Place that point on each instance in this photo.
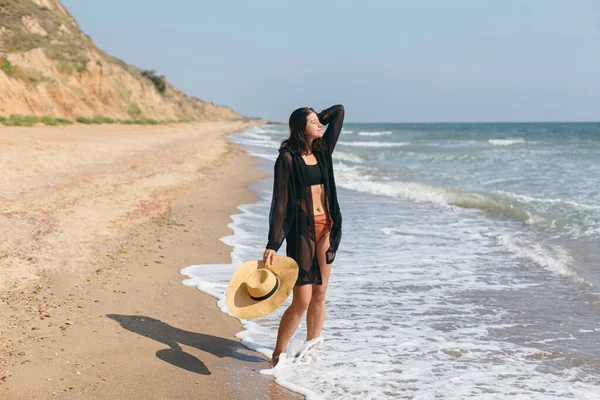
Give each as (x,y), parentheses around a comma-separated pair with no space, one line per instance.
(305,212)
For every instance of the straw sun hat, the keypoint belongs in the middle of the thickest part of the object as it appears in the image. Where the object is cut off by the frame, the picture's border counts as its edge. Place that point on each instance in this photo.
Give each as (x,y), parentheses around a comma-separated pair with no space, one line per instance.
(256,289)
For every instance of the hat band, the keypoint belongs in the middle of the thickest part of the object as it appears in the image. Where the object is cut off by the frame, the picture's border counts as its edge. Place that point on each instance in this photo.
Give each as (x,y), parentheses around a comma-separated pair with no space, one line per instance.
(266,296)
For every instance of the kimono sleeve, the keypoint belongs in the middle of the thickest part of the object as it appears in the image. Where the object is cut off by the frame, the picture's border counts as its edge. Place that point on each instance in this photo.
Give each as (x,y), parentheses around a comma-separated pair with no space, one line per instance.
(281,215)
(334,118)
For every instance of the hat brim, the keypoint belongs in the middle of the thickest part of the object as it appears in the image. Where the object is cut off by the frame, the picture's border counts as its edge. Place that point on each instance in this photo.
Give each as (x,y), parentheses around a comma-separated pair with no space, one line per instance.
(239,302)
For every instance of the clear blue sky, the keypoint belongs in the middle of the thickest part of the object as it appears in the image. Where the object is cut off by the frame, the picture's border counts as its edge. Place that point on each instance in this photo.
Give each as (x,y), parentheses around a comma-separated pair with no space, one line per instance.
(386,61)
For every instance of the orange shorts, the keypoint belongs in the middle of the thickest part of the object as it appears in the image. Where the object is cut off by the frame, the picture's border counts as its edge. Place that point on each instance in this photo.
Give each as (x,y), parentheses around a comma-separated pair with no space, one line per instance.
(323,226)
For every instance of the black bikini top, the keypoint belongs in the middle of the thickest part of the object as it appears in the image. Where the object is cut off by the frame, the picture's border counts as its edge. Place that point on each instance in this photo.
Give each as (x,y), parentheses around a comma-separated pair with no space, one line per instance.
(314,174)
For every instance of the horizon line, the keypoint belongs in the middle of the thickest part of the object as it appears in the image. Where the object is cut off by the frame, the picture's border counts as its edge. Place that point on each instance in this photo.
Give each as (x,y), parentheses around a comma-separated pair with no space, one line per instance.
(456,122)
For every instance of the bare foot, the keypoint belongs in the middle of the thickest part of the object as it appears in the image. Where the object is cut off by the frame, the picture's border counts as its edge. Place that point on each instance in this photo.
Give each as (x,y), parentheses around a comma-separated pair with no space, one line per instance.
(274,361)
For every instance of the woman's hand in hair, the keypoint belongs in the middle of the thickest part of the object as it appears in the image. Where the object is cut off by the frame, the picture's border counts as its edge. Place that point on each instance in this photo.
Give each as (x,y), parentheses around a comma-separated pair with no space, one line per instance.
(269,257)
(323,117)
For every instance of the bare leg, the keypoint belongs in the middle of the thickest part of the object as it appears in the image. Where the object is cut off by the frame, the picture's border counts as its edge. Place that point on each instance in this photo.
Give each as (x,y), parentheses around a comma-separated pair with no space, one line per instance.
(291,319)
(316,309)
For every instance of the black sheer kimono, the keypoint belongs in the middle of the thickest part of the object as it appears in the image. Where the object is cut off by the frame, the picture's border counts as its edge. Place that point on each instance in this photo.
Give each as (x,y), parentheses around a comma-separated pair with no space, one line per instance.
(291,215)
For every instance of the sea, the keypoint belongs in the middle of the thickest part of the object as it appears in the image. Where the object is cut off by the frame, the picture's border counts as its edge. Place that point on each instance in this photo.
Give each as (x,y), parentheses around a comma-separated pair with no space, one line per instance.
(469,266)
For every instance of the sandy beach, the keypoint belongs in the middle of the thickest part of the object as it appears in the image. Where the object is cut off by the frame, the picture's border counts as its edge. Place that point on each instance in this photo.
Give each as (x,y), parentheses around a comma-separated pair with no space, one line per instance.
(97,222)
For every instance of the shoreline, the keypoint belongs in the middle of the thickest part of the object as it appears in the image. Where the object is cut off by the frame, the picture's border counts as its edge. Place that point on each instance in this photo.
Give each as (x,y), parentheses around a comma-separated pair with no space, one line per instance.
(123,325)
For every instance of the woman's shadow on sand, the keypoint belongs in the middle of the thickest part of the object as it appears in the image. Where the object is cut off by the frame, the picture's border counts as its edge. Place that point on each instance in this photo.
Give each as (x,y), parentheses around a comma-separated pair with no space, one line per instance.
(164,333)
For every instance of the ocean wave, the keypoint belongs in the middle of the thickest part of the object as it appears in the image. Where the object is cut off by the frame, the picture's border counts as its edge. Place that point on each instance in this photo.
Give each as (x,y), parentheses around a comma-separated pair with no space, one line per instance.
(347,131)
(373,144)
(382,133)
(552,258)
(265,130)
(576,219)
(255,136)
(360,180)
(343,156)
(528,199)
(460,158)
(507,141)
(260,142)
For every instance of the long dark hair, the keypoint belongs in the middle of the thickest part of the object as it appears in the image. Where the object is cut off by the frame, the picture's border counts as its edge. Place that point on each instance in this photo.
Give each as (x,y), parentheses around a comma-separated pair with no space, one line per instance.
(298,142)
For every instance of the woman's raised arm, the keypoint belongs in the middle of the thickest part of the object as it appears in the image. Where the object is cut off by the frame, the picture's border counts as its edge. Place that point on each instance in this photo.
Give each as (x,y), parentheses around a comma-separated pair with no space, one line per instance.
(334,118)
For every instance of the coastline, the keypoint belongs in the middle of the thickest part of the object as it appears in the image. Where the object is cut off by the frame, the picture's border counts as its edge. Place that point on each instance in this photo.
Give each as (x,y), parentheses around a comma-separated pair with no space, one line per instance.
(102,312)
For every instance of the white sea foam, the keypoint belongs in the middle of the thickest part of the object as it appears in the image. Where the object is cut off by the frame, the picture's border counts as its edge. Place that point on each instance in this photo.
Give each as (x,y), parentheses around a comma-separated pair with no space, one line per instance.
(266,143)
(373,144)
(256,136)
(382,133)
(577,219)
(263,129)
(530,199)
(506,142)
(553,258)
(357,178)
(259,137)
(344,156)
